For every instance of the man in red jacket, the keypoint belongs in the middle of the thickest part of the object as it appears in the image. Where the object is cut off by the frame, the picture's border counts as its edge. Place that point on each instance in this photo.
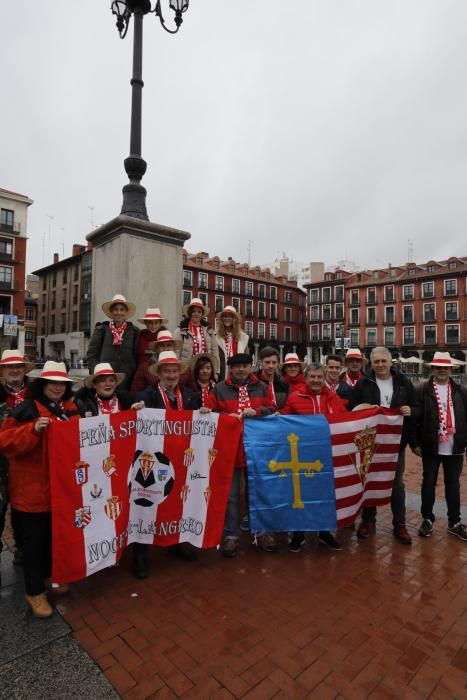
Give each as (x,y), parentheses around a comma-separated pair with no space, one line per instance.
(315,398)
(243,396)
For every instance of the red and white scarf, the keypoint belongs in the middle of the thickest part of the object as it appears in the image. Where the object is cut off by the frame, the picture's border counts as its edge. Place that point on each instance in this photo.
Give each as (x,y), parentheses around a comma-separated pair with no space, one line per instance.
(106,406)
(117,333)
(350,380)
(244,400)
(446,427)
(199,340)
(230,345)
(205,391)
(166,399)
(14,398)
(264,379)
(331,387)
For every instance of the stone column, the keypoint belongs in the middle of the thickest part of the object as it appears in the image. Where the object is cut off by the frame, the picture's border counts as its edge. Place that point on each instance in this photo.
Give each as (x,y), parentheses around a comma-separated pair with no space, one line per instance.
(141,260)
(281,353)
(256,353)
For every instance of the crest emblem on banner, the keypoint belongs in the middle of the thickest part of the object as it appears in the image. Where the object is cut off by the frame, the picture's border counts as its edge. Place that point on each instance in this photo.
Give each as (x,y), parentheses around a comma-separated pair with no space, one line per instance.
(96,492)
(184,491)
(365,442)
(212,454)
(109,466)
(188,457)
(113,507)
(146,462)
(81,473)
(82,516)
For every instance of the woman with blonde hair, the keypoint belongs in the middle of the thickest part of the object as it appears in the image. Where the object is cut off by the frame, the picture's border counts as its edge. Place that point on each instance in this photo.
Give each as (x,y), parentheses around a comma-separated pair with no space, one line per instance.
(231,339)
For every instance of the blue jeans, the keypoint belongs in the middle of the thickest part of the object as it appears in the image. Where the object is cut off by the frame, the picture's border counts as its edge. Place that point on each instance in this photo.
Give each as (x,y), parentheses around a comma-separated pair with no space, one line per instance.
(232,515)
(397,495)
(452,467)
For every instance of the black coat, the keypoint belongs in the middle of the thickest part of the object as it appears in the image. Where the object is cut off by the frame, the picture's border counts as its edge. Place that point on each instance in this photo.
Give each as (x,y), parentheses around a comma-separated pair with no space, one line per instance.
(427,426)
(85,399)
(281,388)
(366,390)
(153,399)
(121,357)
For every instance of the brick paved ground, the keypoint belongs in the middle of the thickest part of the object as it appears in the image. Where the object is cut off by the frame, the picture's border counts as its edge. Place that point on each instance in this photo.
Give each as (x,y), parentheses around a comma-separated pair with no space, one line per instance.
(377,620)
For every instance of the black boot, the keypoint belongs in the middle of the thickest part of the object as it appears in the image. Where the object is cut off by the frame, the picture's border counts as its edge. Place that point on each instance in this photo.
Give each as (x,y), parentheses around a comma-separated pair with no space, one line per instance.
(183,551)
(140,560)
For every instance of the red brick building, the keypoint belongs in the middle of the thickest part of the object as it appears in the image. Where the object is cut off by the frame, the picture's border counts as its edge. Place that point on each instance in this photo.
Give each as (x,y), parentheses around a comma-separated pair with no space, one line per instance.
(273,307)
(412,309)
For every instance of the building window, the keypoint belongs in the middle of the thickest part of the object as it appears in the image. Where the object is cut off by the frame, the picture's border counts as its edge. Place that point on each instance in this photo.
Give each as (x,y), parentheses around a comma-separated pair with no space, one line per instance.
(407,314)
(76,273)
(354,338)
(187,278)
(65,275)
(203,280)
(288,297)
(452,265)
(63,298)
(199,261)
(452,334)
(371,314)
(7,218)
(339,311)
(326,329)
(261,331)
(429,333)
(389,314)
(75,295)
(409,335)
(354,314)
(339,293)
(249,289)
(219,303)
(235,286)
(354,296)
(249,307)
(186,297)
(451,312)
(273,331)
(44,282)
(54,300)
(236,303)
(261,291)
(6,276)
(29,313)
(204,298)
(314,296)
(249,328)
(407,292)
(371,295)
(450,287)
(428,290)
(429,312)
(314,313)
(412,271)
(6,247)
(75,320)
(219,283)
(326,312)
(371,336)
(63,323)
(273,311)
(389,337)
(29,336)
(273,293)
(338,330)
(326,294)
(54,279)
(261,309)
(288,314)
(314,332)
(431,268)
(52,325)
(389,293)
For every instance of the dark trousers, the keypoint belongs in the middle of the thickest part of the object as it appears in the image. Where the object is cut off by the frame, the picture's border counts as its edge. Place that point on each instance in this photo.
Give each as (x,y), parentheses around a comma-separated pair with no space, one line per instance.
(452,467)
(397,495)
(36,531)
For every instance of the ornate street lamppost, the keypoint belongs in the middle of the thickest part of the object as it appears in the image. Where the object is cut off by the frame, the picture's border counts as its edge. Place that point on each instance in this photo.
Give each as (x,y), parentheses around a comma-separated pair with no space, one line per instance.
(134,194)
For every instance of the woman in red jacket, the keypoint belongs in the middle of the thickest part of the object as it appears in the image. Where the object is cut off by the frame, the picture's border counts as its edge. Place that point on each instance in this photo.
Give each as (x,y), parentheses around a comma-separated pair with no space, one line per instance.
(153,321)
(292,371)
(22,440)
(314,398)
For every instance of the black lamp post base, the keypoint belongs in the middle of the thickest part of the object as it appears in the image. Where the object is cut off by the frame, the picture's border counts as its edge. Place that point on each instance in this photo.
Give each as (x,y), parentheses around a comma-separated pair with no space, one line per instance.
(134,201)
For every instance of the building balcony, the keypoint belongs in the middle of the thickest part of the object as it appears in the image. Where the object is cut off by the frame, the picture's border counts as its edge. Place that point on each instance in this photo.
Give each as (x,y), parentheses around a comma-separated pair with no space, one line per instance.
(14,228)
(371,302)
(6,285)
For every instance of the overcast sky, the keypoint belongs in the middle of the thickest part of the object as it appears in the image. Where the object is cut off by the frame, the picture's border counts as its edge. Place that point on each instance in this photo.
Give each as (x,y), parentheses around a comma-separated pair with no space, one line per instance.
(327,129)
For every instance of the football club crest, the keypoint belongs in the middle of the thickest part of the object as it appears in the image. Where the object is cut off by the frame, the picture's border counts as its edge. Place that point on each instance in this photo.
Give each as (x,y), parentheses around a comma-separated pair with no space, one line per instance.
(365,443)
(207,494)
(212,454)
(96,492)
(82,516)
(108,466)
(188,457)
(162,474)
(81,473)
(146,463)
(113,507)
(184,491)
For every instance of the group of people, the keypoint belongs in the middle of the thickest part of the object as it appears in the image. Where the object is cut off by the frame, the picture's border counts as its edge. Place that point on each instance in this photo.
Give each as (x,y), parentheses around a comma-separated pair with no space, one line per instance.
(198,367)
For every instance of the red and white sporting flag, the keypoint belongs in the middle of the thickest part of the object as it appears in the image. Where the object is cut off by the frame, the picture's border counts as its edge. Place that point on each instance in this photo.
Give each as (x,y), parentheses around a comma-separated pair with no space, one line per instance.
(365,446)
(152,476)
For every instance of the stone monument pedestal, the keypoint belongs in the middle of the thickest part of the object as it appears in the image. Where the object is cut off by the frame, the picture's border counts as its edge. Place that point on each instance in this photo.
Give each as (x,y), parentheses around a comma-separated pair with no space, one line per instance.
(141,260)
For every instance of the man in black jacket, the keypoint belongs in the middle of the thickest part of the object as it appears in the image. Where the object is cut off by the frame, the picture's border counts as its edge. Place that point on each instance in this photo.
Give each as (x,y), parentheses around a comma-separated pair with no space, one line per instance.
(441,438)
(384,386)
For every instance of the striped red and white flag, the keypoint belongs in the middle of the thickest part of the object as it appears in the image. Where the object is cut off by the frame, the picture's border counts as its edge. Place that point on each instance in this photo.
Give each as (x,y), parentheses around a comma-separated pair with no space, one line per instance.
(152,476)
(365,446)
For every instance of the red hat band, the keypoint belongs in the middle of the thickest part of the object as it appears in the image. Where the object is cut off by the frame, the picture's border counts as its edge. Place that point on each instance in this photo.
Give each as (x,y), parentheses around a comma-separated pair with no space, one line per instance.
(13,361)
(44,375)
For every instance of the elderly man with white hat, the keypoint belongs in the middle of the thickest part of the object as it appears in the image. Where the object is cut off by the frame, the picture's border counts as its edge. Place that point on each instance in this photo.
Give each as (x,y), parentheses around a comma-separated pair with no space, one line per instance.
(13,391)
(441,439)
(354,362)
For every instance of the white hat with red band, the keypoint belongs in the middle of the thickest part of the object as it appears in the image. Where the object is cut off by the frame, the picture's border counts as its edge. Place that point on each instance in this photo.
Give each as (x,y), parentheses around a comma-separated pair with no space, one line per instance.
(54,372)
(118,299)
(229,310)
(442,359)
(152,315)
(163,337)
(196,303)
(14,357)
(354,354)
(168,358)
(292,359)
(101,370)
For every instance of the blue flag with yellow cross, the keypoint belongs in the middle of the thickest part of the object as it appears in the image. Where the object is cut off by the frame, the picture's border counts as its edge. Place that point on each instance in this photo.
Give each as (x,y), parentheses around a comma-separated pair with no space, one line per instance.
(290,474)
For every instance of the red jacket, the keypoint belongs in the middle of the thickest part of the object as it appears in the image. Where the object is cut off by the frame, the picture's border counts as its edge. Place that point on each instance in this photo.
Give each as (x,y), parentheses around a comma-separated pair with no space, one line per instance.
(224,399)
(145,337)
(306,401)
(295,383)
(29,481)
